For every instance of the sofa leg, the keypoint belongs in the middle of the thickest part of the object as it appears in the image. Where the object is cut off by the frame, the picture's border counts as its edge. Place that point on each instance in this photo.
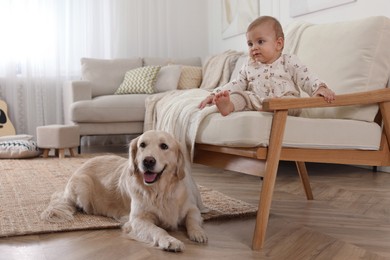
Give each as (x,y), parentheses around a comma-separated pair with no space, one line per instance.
(302,171)
(271,169)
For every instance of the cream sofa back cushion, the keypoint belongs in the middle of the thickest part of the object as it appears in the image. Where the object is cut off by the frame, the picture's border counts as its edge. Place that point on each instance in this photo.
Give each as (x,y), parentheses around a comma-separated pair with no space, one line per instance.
(350,56)
(107,75)
(192,61)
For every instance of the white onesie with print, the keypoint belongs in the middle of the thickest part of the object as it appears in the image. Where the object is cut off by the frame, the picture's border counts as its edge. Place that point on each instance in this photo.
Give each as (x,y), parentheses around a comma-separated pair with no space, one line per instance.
(285,77)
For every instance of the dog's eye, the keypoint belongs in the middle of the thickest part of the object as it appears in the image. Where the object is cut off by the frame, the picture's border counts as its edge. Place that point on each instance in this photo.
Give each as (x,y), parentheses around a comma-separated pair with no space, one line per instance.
(142,145)
(164,146)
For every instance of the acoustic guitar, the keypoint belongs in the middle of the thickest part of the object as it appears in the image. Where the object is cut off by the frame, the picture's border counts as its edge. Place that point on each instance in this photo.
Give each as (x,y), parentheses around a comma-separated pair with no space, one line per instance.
(6,127)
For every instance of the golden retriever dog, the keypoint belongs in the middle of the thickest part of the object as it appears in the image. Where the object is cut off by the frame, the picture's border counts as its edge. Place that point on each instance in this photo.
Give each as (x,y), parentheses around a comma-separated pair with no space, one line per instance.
(150,192)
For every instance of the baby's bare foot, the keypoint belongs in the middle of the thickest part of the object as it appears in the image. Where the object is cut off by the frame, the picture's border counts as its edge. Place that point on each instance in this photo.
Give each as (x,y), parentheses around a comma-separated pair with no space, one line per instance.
(223,103)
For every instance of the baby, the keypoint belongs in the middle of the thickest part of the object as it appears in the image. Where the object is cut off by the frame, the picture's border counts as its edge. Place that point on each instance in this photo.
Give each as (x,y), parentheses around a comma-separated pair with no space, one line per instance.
(267,74)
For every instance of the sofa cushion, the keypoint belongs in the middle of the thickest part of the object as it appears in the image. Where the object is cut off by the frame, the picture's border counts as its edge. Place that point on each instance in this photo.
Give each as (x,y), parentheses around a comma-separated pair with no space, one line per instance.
(139,81)
(110,108)
(192,61)
(350,56)
(168,78)
(252,128)
(106,75)
(191,77)
(113,128)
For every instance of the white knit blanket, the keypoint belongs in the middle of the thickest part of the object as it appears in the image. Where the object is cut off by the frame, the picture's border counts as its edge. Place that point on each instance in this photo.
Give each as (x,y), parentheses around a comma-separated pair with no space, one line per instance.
(177,112)
(218,69)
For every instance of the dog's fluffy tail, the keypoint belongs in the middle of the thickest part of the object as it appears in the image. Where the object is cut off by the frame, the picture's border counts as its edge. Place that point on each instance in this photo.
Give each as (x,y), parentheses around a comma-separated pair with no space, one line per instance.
(60,209)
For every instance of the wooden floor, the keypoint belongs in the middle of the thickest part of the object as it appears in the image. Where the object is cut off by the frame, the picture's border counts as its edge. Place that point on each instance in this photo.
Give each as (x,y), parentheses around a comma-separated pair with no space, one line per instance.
(349,219)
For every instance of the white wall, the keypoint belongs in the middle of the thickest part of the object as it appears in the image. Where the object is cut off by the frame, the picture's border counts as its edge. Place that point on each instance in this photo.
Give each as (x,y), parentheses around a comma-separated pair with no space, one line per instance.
(350,11)
(281,10)
(191,23)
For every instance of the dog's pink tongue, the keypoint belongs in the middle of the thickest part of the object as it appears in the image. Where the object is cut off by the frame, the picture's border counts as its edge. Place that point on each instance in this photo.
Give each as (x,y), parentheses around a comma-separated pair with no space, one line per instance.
(150,176)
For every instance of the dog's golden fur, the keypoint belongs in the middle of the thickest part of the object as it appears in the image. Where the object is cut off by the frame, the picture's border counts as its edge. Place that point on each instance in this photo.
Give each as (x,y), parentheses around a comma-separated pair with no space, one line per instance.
(153,182)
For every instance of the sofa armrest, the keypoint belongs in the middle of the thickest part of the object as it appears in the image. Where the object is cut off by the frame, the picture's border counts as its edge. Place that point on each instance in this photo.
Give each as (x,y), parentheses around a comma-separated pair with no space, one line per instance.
(359,98)
(78,90)
(74,91)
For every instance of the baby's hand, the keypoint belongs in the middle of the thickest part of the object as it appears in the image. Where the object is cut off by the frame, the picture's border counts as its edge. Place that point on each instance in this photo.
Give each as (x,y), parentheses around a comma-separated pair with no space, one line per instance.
(208,100)
(326,93)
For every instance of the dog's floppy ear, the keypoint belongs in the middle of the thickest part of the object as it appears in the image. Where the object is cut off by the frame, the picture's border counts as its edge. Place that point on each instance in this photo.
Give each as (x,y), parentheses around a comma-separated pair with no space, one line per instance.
(132,155)
(181,163)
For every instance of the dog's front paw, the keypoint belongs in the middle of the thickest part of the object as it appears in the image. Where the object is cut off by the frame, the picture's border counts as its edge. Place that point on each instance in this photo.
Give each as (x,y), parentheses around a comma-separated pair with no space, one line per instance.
(127,227)
(198,235)
(171,244)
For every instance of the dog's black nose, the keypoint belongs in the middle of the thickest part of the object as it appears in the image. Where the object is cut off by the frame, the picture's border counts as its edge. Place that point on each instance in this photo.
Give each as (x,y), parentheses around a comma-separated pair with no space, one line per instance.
(149,162)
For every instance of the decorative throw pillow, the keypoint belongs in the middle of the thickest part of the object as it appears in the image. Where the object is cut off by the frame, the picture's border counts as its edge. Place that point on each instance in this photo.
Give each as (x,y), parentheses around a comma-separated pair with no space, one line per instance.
(16,149)
(139,81)
(168,78)
(191,77)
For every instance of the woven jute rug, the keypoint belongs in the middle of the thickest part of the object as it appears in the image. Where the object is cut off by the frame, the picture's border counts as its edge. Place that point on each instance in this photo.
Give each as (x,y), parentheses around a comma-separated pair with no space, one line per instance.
(26,186)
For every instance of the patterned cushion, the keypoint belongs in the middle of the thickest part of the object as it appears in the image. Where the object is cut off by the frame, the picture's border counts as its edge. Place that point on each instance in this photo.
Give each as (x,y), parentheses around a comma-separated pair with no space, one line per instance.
(191,77)
(139,81)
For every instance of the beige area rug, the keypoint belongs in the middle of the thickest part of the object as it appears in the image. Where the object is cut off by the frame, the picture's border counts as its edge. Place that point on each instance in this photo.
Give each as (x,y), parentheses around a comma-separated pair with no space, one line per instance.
(26,187)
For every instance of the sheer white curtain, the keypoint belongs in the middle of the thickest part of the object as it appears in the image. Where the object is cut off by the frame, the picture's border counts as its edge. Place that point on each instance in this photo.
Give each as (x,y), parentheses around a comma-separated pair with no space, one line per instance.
(42,41)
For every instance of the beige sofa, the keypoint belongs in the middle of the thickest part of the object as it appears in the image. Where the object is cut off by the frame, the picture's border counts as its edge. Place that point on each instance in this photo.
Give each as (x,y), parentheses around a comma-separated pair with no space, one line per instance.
(354,58)
(91,103)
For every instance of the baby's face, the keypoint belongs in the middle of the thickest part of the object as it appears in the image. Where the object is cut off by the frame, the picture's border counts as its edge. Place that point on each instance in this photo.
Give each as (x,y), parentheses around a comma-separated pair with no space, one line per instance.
(263,44)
